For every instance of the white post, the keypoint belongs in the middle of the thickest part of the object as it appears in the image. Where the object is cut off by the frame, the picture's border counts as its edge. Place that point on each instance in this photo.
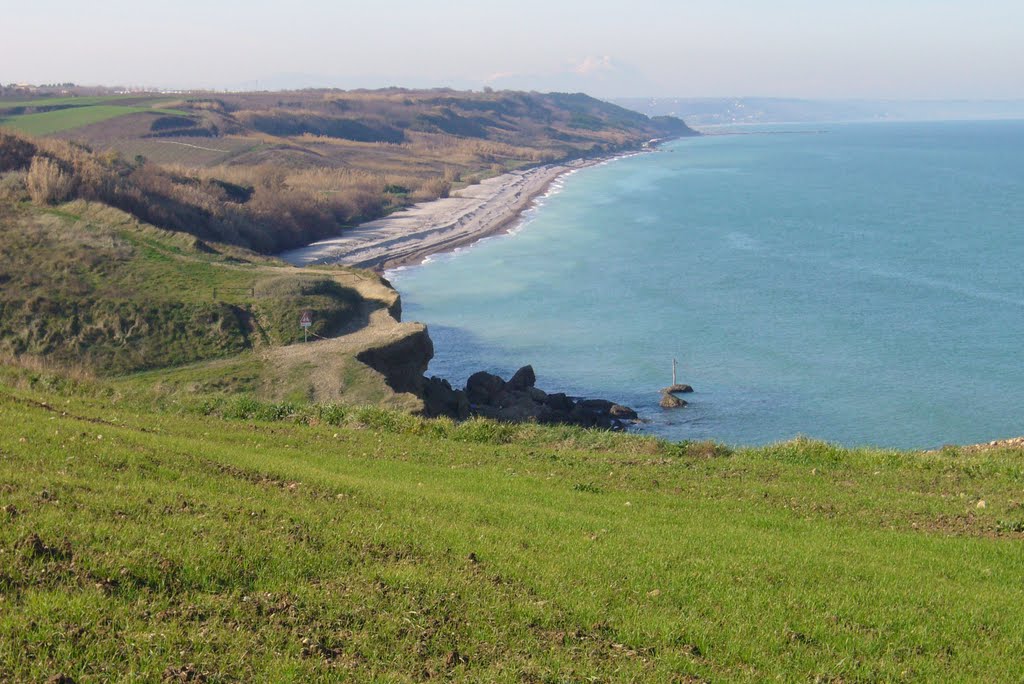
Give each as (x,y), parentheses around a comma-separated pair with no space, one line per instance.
(673,371)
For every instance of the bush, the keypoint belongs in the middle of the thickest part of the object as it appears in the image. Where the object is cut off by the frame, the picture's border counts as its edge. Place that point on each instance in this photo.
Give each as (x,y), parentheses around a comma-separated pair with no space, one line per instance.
(47,182)
(15,153)
(12,186)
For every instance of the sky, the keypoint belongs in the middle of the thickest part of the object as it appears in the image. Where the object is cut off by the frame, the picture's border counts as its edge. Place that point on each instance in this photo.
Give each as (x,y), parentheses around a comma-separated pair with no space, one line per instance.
(824,49)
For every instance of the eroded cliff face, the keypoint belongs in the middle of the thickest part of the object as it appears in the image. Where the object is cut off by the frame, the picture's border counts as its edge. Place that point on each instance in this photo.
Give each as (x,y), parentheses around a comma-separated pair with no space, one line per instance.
(400,353)
(403,359)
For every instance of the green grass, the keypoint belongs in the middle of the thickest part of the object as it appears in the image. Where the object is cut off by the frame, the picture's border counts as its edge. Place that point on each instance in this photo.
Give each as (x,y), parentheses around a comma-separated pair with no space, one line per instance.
(259,542)
(73,101)
(88,283)
(47,123)
(92,111)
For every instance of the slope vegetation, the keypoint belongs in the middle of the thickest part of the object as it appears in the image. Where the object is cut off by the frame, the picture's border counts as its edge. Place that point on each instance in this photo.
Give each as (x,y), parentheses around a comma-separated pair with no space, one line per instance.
(87,288)
(240,541)
(272,171)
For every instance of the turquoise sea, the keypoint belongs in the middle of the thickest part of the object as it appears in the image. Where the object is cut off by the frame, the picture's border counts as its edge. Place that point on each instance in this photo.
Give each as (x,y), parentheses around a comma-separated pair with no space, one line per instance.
(858,283)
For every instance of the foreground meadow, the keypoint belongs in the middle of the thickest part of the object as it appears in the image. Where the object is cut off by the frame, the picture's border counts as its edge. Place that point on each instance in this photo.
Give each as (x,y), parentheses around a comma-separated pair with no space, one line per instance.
(238,541)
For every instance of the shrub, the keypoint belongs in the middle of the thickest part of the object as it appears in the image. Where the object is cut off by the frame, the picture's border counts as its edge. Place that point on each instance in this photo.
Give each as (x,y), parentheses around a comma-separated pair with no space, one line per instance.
(433,189)
(15,153)
(47,183)
(332,414)
(12,186)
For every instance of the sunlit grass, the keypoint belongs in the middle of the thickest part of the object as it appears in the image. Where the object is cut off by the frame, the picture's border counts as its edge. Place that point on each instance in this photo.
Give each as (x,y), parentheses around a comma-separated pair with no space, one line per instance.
(244,540)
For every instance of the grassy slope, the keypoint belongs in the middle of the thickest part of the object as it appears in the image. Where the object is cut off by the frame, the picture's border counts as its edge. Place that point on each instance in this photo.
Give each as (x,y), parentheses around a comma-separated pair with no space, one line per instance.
(47,123)
(71,101)
(140,544)
(83,281)
(77,112)
(440,130)
(87,285)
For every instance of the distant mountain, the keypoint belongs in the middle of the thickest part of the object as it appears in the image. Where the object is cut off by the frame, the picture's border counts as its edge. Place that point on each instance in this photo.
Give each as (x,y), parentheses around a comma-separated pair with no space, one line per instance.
(752,110)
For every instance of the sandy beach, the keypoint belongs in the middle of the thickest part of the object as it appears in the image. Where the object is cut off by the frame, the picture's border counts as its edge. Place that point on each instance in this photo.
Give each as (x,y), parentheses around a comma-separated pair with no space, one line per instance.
(409,236)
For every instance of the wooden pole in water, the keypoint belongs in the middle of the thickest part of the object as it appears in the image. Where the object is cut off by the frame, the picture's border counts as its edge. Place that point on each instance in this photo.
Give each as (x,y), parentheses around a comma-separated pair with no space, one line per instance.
(673,371)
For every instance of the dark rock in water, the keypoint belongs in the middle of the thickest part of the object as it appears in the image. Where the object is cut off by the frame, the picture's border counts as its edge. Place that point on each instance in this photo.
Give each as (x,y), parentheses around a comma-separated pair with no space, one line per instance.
(597,405)
(585,417)
(518,401)
(559,401)
(524,378)
(622,412)
(671,401)
(677,389)
(439,399)
(523,411)
(483,387)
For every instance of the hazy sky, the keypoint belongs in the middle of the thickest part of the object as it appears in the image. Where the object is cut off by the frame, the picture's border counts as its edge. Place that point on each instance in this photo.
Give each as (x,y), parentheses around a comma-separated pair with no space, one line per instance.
(902,49)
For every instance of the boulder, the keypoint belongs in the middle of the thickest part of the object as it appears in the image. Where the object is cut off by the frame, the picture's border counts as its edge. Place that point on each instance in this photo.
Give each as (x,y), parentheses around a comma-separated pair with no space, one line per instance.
(622,412)
(483,387)
(602,406)
(677,389)
(524,410)
(671,401)
(585,417)
(524,378)
(439,399)
(538,395)
(560,402)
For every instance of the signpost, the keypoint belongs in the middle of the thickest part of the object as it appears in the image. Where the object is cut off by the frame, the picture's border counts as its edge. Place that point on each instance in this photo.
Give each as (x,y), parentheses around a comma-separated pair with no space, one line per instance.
(305,321)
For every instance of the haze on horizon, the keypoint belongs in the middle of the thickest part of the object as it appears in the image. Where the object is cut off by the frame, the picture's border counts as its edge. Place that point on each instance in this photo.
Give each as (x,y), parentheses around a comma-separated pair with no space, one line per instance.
(872,49)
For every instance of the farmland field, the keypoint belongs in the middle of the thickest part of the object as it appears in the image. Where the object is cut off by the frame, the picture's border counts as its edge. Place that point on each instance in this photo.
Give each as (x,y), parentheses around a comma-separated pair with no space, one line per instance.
(76,101)
(46,123)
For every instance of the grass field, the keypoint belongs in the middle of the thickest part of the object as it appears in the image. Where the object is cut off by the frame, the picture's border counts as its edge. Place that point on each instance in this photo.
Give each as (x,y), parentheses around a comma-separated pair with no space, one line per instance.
(280,543)
(47,123)
(72,101)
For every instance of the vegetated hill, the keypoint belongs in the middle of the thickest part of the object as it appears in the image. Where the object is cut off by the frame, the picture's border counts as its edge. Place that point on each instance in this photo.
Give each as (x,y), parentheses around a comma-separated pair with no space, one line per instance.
(231,540)
(558,125)
(267,216)
(270,171)
(86,287)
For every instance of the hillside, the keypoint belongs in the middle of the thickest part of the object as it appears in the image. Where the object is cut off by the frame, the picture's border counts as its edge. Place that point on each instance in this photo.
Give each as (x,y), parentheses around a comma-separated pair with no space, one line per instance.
(90,290)
(114,264)
(190,492)
(225,541)
(272,171)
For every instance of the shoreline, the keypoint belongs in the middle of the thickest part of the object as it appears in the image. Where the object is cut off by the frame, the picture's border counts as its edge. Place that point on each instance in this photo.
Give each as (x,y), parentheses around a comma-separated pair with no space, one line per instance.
(408,237)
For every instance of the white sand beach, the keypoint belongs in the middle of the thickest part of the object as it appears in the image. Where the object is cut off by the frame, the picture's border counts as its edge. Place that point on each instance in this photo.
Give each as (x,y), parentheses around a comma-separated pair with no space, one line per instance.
(409,236)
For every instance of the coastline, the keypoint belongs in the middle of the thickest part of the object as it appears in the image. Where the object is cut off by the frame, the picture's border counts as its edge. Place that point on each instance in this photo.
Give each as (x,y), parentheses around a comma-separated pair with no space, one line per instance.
(408,237)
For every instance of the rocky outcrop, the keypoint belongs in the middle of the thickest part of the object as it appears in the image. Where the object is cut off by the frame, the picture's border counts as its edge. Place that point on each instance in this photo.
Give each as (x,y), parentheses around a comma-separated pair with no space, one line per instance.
(402,351)
(518,401)
(483,388)
(671,401)
(439,399)
(524,378)
(402,361)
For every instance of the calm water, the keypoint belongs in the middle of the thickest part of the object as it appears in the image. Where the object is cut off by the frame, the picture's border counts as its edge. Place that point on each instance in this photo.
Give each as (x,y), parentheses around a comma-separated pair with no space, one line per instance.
(857,283)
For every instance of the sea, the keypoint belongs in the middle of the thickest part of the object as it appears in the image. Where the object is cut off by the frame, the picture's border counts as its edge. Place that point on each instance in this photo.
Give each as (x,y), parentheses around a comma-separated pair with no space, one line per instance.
(859,283)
